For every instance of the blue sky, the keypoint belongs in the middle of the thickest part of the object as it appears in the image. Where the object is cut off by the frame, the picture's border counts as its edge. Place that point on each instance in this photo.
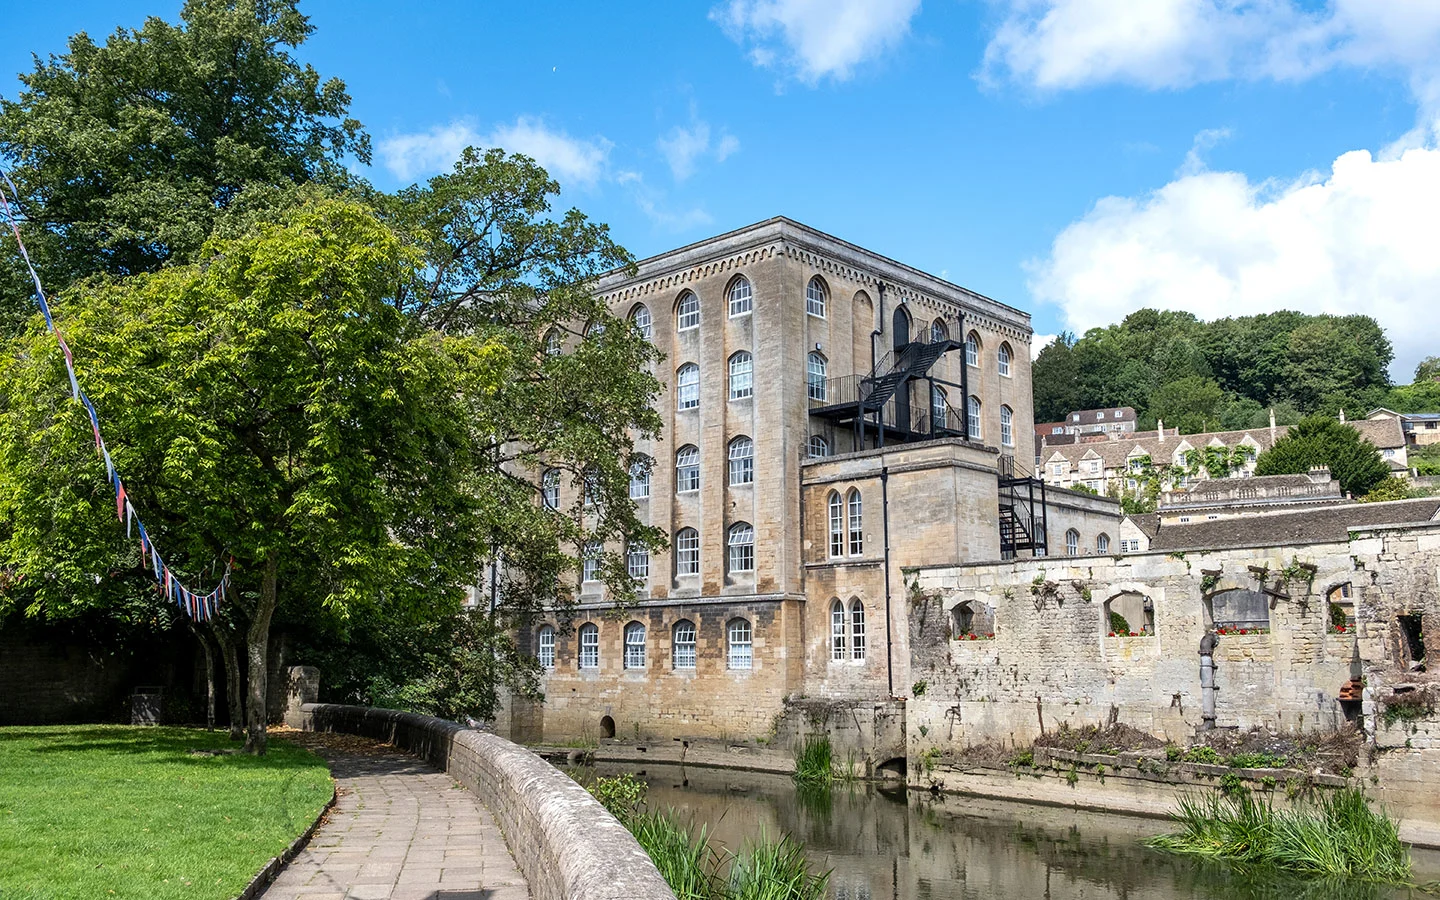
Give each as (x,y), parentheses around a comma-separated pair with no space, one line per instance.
(1075,158)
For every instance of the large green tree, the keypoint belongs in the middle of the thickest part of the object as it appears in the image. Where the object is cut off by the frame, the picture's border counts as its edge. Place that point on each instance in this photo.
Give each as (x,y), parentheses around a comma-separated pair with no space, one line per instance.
(1322,441)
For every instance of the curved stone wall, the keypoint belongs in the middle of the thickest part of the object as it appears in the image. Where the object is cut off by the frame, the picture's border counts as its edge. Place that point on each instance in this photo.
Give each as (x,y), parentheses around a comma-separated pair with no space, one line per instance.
(566,844)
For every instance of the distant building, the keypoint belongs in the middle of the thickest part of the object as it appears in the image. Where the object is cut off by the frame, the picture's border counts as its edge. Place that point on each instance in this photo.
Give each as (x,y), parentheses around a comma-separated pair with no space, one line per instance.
(1417,429)
(1286,525)
(1116,465)
(1111,420)
(1229,498)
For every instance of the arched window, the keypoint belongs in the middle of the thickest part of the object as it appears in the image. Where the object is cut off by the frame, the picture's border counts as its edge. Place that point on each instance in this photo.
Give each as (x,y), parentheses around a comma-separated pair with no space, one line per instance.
(550,488)
(815,297)
(857,629)
(815,376)
(640,477)
(634,646)
(740,297)
(837,524)
(554,343)
(837,630)
(687,312)
(637,561)
(972,412)
(591,494)
(972,349)
(1003,357)
(1102,543)
(1072,542)
(739,652)
(590,561)
(1128,614)
(640,318)
(687,469)
(817,447)
(687,387)
(1007,426)
(742,547)
(594,329)
(687,552)
(545,647)
(589,646)
(742,461)
(938,331)
(682,645)
(742,376)
(854,522)
(939,403)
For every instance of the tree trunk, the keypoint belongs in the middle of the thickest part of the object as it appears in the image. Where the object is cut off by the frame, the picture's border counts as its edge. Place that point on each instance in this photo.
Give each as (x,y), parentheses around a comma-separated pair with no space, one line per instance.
(258,645)
(209,680)
(233,690)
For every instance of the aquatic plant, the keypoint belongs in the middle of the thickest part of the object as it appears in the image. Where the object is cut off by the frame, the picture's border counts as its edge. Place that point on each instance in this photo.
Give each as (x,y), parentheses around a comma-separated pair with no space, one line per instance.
(815,761)
(775,870)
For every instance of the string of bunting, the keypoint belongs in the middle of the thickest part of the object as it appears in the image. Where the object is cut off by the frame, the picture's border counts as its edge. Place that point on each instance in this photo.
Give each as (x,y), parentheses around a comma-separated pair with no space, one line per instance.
(194,604)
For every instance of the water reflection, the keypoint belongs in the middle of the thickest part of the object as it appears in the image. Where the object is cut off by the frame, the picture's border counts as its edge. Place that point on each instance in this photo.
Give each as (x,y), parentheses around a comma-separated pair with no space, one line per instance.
(879,844)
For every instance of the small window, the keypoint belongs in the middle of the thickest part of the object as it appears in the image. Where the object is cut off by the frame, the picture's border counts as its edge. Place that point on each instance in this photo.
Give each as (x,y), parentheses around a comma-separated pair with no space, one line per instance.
(740,297)
(589,646)
(594,329)
(550,488)
(1100,414)
(590,562)
(687,381)
(687,469)
(742,547)
(837,525)
(815,376)
(1007,426)
(637,561)
(634,646)
(740,652)
(545,647)
(1072,542)
(857,629)
(1102,543)
(838,627)
(742,376)
(938,332)
(687,552)
(554,343)
(854,522)
(1003,357)
(640,319)
(591,494)
(817,447)
(939,403)
(815,297)
(687,312)
(682,646)
(640,478)
(972,413)
(972,349)
(742,461)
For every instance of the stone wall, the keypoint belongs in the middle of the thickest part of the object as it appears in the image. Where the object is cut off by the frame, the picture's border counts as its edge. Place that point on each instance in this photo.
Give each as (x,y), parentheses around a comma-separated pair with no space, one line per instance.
(1089,516)
(563,840)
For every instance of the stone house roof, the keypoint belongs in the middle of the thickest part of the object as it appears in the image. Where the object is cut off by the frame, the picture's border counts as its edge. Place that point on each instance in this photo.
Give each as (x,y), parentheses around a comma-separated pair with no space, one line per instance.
(1329,523)
(1386,434)
(1115,454)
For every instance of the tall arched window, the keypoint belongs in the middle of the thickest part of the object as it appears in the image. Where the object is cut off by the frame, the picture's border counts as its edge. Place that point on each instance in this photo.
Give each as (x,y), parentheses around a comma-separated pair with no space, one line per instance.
(938,331)
(837,630)
(837,524)
(554,343)
(815,297)
(634,646)
(687,312)
(742,461)
(687,469)
(640,318)
(1003,358)
(972,349)
(857,629)
(637,561)
(1102,543)
(854,522)
(545,647)
(740,297)
(815,376)
(640,478)
(742,547)
(740,651)
(550,488)
(682,645)
(939,403)
(589,646)
(972,409)
(817,447)
(590,561)
(1007,426)
(1072,542)
(687,552)
(742,376)
(594,329)
(687,387)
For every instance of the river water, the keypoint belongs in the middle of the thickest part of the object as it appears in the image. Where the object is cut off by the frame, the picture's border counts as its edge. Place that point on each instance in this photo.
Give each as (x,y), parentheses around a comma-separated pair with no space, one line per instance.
(881,845)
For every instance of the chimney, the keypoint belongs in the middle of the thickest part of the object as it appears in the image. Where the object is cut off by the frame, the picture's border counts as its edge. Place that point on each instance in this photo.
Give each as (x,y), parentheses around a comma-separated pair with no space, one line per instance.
(1161,429)
(1272,426)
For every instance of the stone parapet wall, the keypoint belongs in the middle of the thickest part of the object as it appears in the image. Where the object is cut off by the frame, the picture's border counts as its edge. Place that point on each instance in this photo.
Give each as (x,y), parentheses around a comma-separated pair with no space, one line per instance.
(563,840)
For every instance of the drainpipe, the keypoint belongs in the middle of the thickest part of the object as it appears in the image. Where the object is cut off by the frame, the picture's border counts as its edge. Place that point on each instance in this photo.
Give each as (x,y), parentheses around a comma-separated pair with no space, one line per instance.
(885,517)
(964,377)
(1207,682)
(874,336)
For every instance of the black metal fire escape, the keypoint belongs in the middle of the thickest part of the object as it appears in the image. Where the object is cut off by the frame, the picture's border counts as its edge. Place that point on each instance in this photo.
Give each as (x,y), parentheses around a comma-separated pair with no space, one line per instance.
(1023,520)
(878,404)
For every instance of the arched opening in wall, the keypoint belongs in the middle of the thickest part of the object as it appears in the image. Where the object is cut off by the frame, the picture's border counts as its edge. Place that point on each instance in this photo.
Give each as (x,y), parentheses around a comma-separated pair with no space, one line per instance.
(899,328)
(1412,639)
(892,768)
(972,620)
(607,727)
(862,322)
(1340,609)
(1129,614)
(1238,611)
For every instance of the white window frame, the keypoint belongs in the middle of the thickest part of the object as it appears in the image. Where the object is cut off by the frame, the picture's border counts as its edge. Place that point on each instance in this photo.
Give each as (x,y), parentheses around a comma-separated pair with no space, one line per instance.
(973,410)
(938,332)
(683,645)
(687,387)
(741,460)
(739,645)
(1002,360)
(815,368)
(1102,543)
(637,561)
(640,479)
(550,488)
(545,647)
(854,522)
(816,298)
(1007,426)
(687,552)
(634,646)
(687,469)
(839,627)
(857,630)
(1072,542)
(939,403)
(742,297)
(589,657)
(837,525)
(554,343)
(817,447)
(590,562)
(972,350)
(640,317)
(687,312)
(740,547)
(742,375)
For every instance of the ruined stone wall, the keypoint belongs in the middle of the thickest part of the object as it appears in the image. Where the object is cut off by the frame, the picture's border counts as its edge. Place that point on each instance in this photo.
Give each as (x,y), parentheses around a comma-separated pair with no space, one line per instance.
(1054,658)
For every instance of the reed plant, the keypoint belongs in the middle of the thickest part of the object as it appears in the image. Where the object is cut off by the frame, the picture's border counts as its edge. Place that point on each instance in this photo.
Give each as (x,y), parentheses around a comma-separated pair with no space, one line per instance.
(815,762)
(775,870)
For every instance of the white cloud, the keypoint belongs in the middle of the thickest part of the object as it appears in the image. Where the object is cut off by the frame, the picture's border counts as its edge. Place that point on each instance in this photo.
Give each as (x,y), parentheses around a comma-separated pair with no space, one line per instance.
(1360,239)
(1040,342)
(816,39)
(572,161)
(684,147)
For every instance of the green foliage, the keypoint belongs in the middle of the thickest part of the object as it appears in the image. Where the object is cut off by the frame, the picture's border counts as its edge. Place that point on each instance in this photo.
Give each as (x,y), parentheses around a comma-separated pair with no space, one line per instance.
(622,795)
(815,761)
(101,811)
(1390,488)
(775,870)
(1322,441)
(918,688)
(1427,370)
(1337,835)
(1258,761)
(685,857)
(1206,755)
(1408,707)
(1232,784)
(1072,775)
(1173,753)
(1118,624)
(1425,460)
(1024,758)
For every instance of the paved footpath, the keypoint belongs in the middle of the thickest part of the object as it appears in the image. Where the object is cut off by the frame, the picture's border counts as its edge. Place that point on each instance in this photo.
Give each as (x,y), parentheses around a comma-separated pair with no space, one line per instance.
(400,830)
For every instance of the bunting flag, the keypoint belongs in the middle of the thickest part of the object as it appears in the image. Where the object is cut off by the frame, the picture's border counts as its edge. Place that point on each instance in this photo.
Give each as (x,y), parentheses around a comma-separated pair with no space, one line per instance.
(197,606)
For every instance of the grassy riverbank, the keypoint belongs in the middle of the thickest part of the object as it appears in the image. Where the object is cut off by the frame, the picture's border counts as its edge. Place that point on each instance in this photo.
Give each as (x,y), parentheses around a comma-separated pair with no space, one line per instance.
(105,811)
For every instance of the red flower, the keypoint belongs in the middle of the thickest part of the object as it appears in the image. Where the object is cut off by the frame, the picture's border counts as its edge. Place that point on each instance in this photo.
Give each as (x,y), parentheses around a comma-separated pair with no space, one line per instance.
(1112,634)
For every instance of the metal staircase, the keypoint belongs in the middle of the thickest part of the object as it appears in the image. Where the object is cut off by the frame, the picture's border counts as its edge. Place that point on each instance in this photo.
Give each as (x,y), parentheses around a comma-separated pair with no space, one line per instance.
(876,403)
(1023,519)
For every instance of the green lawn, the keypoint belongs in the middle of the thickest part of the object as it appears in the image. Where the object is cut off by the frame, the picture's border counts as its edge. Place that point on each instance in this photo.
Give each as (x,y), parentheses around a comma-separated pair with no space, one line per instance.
(113,812)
